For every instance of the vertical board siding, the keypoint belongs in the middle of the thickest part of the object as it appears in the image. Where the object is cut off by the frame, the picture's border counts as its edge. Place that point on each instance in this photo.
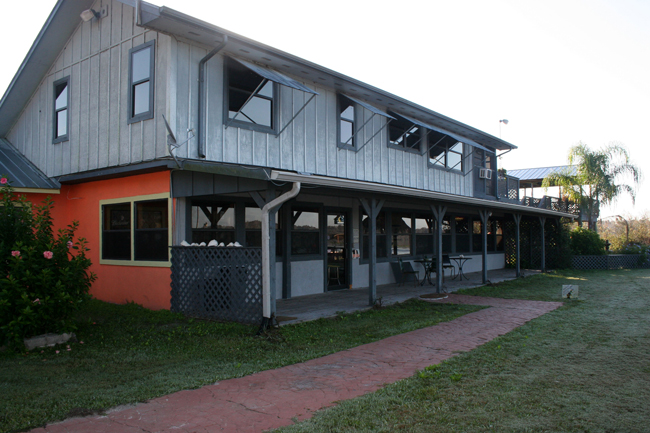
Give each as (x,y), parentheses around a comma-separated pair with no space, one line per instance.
(96,59)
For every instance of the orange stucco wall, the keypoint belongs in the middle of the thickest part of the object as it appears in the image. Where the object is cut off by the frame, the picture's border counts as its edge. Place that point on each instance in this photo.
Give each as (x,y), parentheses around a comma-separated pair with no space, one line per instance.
(148,286)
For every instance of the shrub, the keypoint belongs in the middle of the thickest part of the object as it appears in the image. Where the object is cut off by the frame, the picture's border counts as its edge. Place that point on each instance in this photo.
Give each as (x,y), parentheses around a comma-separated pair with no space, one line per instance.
(44,277)
(634,248)
(586,242)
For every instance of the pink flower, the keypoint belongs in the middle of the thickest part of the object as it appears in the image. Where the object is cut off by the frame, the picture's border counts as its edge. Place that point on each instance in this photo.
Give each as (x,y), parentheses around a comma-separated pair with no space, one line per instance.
(57,352)
(69,349)
(36,301)
(81,342)
(3,180)
(48,254)
(69,244)
(15,253)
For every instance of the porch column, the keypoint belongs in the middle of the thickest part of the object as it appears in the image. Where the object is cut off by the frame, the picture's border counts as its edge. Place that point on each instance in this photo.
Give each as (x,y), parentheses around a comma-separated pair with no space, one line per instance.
(485,215)
(517,218)
(542,222)
(439,213)
(372,207)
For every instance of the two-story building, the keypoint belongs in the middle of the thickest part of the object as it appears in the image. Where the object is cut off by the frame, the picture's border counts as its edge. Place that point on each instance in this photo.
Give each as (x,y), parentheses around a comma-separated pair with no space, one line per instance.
(155,128)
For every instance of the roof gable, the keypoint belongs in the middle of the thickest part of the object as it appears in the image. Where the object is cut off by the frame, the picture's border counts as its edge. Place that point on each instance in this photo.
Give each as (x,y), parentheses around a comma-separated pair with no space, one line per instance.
(56,31)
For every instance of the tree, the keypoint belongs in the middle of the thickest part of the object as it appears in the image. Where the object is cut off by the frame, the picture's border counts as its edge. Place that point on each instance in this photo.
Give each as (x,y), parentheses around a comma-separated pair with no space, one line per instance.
(599,179)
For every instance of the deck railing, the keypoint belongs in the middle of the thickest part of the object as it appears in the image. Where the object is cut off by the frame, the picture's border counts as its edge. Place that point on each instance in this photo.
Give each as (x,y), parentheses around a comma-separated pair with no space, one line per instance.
(508,188)
(508,191)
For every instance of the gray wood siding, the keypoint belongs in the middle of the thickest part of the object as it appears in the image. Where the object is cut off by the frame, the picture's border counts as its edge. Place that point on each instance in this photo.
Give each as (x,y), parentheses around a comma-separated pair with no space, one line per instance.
(308,144)
(96,57)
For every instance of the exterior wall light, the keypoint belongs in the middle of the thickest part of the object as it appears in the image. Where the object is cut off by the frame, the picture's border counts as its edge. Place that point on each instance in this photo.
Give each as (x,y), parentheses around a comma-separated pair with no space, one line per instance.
(89,14)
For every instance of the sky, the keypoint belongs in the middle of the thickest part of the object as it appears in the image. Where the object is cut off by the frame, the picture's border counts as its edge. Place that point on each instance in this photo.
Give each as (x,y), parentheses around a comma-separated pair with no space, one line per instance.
(560,71)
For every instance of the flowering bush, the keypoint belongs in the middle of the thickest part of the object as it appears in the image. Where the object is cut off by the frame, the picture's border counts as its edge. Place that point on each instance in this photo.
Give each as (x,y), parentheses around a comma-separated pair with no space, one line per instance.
(44,278)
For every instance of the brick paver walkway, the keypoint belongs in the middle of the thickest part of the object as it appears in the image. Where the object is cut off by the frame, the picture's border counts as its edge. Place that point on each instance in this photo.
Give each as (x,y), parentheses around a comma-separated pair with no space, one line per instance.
(271,399)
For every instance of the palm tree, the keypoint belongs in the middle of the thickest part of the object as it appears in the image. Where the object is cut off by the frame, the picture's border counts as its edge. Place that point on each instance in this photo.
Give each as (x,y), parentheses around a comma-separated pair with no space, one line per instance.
(598,178)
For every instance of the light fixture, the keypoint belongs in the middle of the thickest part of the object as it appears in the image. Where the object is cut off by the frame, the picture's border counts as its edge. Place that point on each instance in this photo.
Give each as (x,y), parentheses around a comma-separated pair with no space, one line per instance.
(89,14)
(505,122)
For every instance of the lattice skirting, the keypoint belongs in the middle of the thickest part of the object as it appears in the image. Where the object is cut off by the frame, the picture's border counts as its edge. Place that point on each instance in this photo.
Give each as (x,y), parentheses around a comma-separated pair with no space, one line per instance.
(613,261)
(218,283)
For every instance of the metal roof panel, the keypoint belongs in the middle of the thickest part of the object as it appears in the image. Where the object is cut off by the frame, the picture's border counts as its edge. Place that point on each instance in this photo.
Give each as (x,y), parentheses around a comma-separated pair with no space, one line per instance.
(20,171)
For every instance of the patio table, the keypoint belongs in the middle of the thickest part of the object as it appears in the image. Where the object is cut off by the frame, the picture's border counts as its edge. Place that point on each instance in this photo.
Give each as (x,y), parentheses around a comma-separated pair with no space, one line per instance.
(428,265)
(460,261)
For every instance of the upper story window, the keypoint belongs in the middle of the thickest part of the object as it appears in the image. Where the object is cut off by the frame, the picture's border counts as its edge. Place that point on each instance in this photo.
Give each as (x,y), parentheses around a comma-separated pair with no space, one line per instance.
(404,134)
(346,122)
(251,98)
(141,82)
(61,118)
(445,151)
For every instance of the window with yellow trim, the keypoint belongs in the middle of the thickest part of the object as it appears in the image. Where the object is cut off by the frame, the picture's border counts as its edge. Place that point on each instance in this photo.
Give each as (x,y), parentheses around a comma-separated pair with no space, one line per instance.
(136,230)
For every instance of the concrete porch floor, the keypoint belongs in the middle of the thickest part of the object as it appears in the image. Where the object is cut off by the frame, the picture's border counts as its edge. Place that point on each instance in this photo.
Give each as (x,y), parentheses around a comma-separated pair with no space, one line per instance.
(321,305)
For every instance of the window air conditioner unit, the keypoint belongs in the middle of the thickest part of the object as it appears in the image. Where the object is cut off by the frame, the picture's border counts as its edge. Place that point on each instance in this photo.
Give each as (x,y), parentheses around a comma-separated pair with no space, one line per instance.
(485,173)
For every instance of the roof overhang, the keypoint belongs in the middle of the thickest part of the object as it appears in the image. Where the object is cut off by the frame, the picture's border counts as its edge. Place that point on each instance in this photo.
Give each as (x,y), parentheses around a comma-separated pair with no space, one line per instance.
(380,188)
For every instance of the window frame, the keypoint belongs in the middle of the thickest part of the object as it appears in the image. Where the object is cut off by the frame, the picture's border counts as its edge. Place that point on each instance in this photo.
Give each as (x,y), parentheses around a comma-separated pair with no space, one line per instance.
(275,104)
(132,203)
(131,117)
(447,150)
(421,132)
(340,99)
(65,137)
(312,208)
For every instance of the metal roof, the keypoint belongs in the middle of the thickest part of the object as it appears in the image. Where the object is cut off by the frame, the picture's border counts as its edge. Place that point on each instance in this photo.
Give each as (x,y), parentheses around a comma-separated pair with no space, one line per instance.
(529,174)
(20,171)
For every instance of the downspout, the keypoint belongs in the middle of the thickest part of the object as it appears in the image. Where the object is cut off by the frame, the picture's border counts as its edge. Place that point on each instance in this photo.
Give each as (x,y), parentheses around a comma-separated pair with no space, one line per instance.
(266,263)
(138,12)
(202,94)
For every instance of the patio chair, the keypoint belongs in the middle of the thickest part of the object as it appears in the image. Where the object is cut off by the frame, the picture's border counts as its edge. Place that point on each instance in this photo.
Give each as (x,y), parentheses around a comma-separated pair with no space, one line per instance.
(406,268)
(446,264)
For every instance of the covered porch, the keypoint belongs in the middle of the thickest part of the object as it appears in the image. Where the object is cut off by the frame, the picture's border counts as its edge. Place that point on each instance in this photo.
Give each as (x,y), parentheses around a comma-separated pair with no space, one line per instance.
(329,304)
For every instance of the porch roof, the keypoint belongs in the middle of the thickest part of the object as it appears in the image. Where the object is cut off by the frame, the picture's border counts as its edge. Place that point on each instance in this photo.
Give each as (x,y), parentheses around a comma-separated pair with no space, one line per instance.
(350,184)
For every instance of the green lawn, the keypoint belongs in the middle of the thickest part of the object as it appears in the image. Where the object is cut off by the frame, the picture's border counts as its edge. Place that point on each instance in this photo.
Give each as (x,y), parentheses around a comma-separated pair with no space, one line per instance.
(582,368)
(130,354)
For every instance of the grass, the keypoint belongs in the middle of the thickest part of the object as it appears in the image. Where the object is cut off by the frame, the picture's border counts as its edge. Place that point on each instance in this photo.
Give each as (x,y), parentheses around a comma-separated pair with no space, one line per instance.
(130,354)
(582,368)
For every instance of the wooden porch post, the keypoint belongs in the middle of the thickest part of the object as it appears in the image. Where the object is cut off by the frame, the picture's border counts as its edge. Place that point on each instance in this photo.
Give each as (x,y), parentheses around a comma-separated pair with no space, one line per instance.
(485,215)
(517,217)
(439,213)
(372,208)
(542,222)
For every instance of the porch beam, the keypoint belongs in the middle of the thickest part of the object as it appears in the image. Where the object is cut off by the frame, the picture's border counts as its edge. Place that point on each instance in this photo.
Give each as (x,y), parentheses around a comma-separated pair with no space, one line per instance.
(485,216)
(517,218)
(372,207)
(439,213)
